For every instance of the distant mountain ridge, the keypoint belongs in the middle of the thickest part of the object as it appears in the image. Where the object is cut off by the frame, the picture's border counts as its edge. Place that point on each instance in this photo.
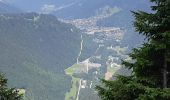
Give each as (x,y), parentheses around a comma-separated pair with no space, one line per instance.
(73,9)
(88,8)
(6,8)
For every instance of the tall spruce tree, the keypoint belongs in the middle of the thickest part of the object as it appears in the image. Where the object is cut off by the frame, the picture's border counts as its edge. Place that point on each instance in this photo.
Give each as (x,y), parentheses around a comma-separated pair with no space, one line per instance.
(156,27)
(150,63)
(8,93)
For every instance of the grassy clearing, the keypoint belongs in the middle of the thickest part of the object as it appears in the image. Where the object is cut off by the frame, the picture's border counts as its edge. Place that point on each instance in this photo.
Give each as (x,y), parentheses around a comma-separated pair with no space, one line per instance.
(73,91)
(71,95)
(111,69)
(70,71)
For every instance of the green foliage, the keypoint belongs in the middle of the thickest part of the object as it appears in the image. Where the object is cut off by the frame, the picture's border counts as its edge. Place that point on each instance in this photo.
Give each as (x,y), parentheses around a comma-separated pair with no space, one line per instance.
(37,82)
(155,94)
(123,88)
(150,63)
(32,46)
(130,88)
(147,63)
(8,93)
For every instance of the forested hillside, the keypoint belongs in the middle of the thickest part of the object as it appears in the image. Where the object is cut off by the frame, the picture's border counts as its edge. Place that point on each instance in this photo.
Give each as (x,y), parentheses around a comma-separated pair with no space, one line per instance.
(35,50)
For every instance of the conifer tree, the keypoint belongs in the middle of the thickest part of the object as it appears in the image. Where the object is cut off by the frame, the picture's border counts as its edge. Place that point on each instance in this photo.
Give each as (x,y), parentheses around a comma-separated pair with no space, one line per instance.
(8,93)
(156,27)
(150,63)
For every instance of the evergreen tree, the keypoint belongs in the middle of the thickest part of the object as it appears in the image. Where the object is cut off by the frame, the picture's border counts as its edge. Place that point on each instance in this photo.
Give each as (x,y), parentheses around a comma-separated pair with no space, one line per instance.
(156,27)
(150,75)
(8,93)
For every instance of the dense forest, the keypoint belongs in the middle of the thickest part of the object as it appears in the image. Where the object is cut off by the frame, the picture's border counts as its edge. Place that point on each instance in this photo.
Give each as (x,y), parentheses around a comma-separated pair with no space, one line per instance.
(24,47)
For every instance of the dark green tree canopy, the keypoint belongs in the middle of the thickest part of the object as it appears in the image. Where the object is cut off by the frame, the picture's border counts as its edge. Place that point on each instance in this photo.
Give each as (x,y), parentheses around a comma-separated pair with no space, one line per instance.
(154,25)
(150,79)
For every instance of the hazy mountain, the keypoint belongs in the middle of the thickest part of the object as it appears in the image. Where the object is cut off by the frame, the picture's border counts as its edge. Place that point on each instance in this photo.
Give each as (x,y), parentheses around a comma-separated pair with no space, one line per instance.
(88,8)
(6,8)
(121,15)
(76,8)
(79,9)
(37,5)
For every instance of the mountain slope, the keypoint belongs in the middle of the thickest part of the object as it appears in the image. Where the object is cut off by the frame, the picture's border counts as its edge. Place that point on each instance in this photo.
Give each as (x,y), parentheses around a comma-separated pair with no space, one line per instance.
(35,50)
(88,8)
(42,35)
(74,9)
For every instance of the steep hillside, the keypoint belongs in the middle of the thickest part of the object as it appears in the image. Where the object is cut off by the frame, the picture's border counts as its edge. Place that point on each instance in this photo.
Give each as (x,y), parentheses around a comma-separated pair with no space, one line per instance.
(43,36)
(35,50)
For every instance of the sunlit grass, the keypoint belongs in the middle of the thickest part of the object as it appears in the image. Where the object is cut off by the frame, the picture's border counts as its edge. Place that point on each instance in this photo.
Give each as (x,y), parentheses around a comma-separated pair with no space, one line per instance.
(75,81)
